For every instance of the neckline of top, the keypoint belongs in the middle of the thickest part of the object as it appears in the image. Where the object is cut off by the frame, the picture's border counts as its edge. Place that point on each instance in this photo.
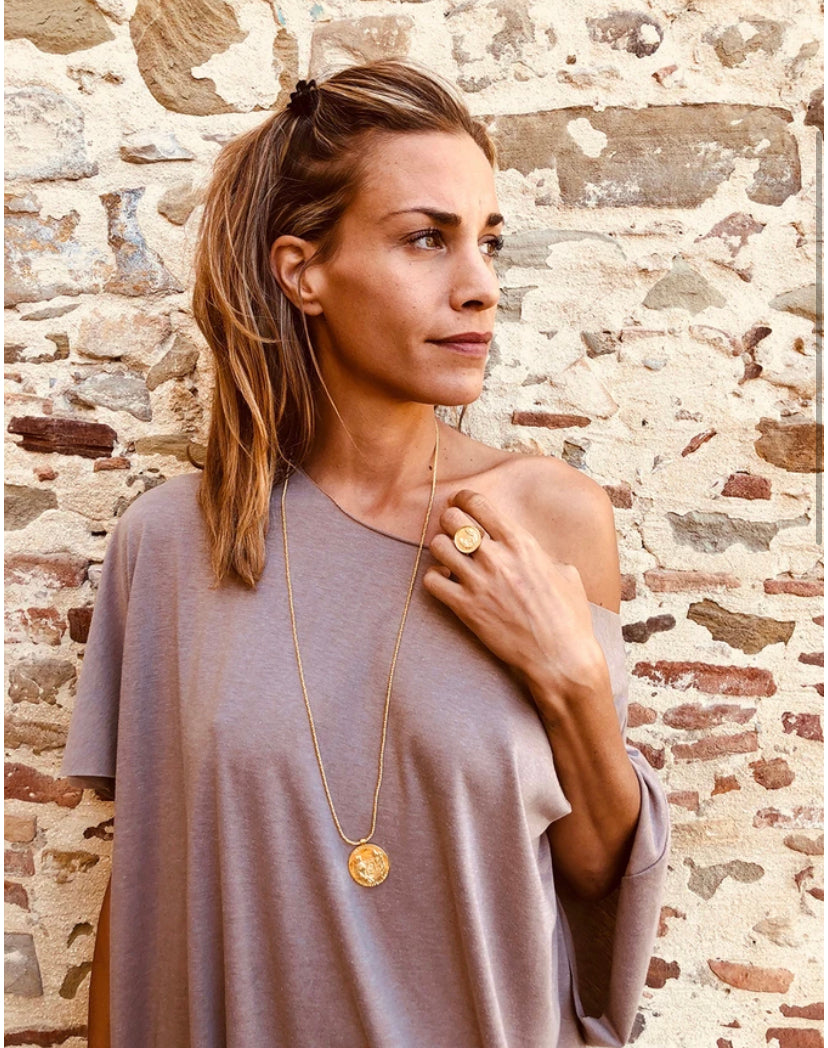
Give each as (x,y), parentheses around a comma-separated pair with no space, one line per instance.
(314,487)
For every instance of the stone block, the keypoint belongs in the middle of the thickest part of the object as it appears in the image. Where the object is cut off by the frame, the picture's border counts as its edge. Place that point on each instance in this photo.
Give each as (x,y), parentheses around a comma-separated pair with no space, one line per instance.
(44,136)
(21,969)
(698,147)
(354,40)
(56,26)
(23,504)
(792,444)
(39,678)
(117,391)
(179,360)
(684,288)
(705,881)
(815,116)
(170,39)
(734,43)
(153,146)
(749,633)
(632,31)
(178,202)
(138,269)
(45,258)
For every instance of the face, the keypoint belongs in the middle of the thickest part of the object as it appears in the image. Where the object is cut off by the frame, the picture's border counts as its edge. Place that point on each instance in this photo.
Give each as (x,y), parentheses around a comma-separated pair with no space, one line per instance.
(408,298)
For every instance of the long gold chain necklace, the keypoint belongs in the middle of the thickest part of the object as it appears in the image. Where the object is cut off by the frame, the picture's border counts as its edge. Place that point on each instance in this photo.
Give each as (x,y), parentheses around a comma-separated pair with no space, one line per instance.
(368,864)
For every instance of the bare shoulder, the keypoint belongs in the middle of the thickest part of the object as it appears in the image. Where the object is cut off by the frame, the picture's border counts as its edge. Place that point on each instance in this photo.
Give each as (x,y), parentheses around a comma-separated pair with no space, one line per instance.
(568,512)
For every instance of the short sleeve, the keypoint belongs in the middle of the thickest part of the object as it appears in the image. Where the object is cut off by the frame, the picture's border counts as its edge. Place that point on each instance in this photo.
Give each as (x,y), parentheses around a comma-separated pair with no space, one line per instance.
(89,759)
(610,942)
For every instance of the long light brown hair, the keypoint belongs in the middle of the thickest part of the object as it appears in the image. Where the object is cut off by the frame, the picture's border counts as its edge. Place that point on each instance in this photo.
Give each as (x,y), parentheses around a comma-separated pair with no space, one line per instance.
(294,174)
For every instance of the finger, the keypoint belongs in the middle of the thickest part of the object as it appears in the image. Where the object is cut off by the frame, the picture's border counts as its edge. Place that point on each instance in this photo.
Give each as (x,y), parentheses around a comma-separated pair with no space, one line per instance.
(437,582)
(460,564)
(452,519)
(483,512)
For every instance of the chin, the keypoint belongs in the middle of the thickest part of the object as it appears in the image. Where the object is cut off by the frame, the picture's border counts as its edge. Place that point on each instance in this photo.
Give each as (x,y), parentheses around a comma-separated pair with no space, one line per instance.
(456,393)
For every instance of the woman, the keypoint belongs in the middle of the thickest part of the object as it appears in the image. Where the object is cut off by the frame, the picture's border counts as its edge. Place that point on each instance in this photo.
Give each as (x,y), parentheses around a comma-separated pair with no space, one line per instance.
(364,675)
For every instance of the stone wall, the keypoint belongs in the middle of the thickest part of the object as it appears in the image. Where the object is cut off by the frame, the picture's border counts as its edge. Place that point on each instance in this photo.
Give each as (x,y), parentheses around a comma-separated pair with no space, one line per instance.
(657,330)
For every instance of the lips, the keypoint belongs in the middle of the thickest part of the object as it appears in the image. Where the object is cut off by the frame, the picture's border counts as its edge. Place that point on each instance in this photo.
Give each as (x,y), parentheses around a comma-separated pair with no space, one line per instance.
(473,344)
(465,338)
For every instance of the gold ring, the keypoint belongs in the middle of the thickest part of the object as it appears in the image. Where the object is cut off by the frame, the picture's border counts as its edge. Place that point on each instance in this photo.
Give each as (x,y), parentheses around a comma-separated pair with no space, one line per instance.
(468,538)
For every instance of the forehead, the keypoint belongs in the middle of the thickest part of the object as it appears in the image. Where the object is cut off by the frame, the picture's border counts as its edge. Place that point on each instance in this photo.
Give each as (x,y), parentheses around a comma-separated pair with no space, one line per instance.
(448,172)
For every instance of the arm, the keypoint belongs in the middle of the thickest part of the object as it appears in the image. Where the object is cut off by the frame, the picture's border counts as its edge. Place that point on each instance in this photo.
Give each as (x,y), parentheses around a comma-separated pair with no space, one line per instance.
(98,1025)
(591,845)
(525,592)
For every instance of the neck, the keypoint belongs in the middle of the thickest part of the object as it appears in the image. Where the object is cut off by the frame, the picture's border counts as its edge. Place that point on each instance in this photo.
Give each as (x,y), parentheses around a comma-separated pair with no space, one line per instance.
(376,457)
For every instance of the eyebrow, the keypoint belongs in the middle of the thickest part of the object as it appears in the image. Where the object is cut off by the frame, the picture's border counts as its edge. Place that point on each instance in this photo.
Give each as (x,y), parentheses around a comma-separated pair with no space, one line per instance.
(444,218)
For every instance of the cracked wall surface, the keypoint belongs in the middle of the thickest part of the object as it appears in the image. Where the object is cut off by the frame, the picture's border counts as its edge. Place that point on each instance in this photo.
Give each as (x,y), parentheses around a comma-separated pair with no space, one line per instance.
(657,330)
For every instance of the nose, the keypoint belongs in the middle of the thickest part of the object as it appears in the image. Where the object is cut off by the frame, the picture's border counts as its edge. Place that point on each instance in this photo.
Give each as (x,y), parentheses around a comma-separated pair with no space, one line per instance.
(475,285)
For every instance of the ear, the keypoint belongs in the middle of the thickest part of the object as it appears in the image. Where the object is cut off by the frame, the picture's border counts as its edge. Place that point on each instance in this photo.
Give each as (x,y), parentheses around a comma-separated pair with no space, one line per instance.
(288,259)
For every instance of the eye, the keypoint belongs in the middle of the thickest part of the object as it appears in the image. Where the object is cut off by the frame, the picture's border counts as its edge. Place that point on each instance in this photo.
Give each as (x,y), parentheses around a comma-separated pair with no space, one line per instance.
(492,247)
(426,238)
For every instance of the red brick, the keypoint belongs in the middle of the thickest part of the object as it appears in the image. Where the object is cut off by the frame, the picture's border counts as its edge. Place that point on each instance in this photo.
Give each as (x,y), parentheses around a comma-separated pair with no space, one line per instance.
(19,862)
(751,977)
(638,715)
(652,754)
(68,436)
(688,799)
(817,893)
(697,441)
(15,894)
(116,462)
(620,495)
(805,725)
(666,912)
(813,658)
(43,1038)
(692,715)
(723,1042)
(800,818)
(660,971)
(795,1037)
(80,619)
(803,1011)
(746,486)
(806,586)
(722,680)
(61,569)
(772,774)
(667,580)
(805,874)
(716,746)
(38,625)
(725,784)
(25,784)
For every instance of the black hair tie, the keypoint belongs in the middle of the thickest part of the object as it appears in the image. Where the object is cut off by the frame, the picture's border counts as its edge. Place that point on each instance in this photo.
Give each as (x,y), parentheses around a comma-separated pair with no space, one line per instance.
(305,99)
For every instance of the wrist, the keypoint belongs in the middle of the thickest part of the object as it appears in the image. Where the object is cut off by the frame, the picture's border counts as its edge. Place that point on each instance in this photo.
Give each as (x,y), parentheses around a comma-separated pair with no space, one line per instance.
(562,691)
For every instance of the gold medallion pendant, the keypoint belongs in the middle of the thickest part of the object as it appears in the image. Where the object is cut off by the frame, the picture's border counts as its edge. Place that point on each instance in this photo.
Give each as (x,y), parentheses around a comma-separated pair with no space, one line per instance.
(368,865)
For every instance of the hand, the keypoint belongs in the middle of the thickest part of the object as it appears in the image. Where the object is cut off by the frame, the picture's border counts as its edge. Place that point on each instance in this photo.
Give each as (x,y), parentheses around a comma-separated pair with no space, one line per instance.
(529,610)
